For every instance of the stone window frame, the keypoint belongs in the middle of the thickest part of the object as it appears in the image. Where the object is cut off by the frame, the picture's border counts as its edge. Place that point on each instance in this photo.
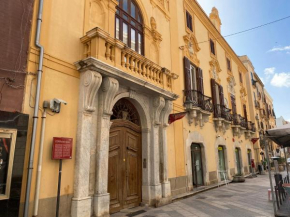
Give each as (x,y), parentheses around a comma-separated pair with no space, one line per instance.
(188,9)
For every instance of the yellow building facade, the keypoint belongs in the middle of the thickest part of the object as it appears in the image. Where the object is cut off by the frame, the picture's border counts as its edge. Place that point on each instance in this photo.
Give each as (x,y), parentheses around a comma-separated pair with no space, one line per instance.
(124,69)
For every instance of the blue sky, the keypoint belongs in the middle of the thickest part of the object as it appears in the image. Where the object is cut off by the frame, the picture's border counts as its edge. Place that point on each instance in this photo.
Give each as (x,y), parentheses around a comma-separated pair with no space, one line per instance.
(267,47)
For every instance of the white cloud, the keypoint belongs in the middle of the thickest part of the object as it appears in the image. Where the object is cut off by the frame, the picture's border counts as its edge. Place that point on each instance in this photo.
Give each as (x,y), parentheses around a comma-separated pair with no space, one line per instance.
(280,49)
(281,79)
(269,71)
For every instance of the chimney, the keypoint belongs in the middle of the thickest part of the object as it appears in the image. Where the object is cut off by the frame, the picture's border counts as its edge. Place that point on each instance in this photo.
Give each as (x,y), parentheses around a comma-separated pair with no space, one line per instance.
(215,19)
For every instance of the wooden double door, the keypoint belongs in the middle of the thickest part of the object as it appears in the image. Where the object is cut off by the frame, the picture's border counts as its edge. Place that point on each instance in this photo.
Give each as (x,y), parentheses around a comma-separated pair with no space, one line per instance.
(125,170)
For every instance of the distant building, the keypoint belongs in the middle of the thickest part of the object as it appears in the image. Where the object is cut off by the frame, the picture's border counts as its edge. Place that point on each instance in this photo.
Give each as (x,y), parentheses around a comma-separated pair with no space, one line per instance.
(281,121)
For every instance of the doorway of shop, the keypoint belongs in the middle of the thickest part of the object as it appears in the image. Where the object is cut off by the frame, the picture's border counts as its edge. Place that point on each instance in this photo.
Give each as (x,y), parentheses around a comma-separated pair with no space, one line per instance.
(196,161)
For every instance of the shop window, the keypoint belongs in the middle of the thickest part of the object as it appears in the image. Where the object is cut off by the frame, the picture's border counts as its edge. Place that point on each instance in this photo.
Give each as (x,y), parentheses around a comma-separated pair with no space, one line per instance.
(7,148)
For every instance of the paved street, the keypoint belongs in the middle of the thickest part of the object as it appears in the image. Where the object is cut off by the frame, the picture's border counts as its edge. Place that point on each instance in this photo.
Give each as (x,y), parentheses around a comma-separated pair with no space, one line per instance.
(239,200)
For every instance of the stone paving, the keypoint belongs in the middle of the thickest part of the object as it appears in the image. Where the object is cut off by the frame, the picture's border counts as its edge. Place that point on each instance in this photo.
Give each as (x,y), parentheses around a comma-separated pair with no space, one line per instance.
(248,199)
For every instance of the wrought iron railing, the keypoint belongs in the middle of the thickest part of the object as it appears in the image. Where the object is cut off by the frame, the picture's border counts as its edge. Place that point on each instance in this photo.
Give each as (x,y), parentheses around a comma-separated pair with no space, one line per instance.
(197,99)
(257,104)
(221,111)
(236,119)
(243,122)
(253,127)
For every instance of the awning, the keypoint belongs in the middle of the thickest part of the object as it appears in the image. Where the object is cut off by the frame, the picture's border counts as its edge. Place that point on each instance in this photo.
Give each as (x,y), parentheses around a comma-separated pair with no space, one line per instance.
(280,135)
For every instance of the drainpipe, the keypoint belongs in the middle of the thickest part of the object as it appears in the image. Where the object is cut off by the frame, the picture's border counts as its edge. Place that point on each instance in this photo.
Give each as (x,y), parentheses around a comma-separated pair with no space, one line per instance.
(35,115)
(38,178)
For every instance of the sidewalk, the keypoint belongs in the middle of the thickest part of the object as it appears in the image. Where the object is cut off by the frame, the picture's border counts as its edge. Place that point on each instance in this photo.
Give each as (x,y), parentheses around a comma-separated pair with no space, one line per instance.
(248,199)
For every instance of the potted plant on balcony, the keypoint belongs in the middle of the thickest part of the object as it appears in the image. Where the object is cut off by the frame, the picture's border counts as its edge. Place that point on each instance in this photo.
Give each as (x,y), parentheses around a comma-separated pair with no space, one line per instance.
(239,177)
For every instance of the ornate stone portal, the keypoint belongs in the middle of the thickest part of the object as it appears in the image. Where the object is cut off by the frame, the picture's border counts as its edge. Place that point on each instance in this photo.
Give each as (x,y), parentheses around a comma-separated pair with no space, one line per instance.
(100,89)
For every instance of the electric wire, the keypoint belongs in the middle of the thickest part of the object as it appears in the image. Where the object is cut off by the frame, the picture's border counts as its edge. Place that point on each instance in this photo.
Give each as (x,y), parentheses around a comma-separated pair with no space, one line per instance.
(250,29)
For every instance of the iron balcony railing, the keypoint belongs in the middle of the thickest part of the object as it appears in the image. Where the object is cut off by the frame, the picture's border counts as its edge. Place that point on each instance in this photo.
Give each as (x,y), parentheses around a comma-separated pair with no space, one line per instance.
(257,104)
(243,122)
(197,99)
(221,111)
(253,127)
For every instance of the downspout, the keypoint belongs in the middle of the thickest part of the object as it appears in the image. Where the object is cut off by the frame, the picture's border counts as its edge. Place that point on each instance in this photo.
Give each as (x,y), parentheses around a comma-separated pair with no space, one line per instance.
(40,156)
(35,115)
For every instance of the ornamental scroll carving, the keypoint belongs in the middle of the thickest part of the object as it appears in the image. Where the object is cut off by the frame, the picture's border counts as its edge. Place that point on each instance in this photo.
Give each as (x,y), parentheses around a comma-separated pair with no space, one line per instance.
(166,112)
(190,48)
(92,83)
(110,87)
(155,34)
(158,105)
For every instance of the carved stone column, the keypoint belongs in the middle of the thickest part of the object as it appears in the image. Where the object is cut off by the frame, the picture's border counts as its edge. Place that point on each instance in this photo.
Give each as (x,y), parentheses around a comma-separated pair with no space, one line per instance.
(166,190)
(90,82)
(155,192)
(109,88)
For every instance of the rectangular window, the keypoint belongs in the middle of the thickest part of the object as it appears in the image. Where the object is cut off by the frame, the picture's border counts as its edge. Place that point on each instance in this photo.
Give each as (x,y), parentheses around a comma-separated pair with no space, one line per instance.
(133,39)
(212,48)
(229,64)
(125,5)
(125,33)
(139,44)
(189,21)
(117,28)
(241,77)
(193,77)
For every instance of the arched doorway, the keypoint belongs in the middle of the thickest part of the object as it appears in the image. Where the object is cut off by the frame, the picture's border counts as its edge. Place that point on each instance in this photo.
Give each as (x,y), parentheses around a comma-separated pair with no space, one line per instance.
(125,157)
(196,161)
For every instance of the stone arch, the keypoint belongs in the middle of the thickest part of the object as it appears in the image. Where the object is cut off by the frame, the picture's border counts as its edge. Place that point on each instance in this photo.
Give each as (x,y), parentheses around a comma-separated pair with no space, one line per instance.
(195,137)
(220,141)
(139,104)
(143,11)
(238,145)
(96,15)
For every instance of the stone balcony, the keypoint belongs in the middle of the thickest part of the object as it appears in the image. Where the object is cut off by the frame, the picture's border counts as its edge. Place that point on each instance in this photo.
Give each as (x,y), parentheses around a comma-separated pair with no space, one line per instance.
(222,118)
(250,129)
(198,105)
(109,51)
(238,125)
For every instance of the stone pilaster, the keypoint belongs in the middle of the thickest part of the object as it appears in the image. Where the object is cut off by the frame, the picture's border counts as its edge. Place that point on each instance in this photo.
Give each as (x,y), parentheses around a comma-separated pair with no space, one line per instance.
(90,82)
(166,190)
(109,87)
(154,186)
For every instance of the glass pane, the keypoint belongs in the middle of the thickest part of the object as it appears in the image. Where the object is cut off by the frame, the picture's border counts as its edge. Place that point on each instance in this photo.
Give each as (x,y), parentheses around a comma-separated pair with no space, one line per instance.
(5,144)
(133,39)
(125,5)
(132,23)
(133,10)
(117,28)
(140,44)
(125,33)
(125,16)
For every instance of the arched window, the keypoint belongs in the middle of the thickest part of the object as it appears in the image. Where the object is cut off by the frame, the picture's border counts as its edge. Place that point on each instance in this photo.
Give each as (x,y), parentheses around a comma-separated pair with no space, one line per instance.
(129,25)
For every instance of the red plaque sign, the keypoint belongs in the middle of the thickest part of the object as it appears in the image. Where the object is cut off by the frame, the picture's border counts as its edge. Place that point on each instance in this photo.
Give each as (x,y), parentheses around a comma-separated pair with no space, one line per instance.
(62,148)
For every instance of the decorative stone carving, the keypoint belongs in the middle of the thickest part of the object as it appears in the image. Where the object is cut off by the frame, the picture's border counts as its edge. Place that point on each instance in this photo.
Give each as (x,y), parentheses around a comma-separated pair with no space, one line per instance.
(231,85)
(191,48)
(215,69)
(158,105)
(155,34)
(243,93)
(110,87)
(92,83)
(166,112)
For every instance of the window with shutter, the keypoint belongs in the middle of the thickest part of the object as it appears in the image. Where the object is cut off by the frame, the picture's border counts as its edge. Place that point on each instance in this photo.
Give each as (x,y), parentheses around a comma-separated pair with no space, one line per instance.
(187,80)
(241,77)
(214,97)
(189,21)
(234,107)
(212,48)
(245,112)
(229,64)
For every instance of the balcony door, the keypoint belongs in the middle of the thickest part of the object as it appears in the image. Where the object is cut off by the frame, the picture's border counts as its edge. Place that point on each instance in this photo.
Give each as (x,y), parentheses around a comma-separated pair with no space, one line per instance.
(238,160)
(222,162)
(196,161)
